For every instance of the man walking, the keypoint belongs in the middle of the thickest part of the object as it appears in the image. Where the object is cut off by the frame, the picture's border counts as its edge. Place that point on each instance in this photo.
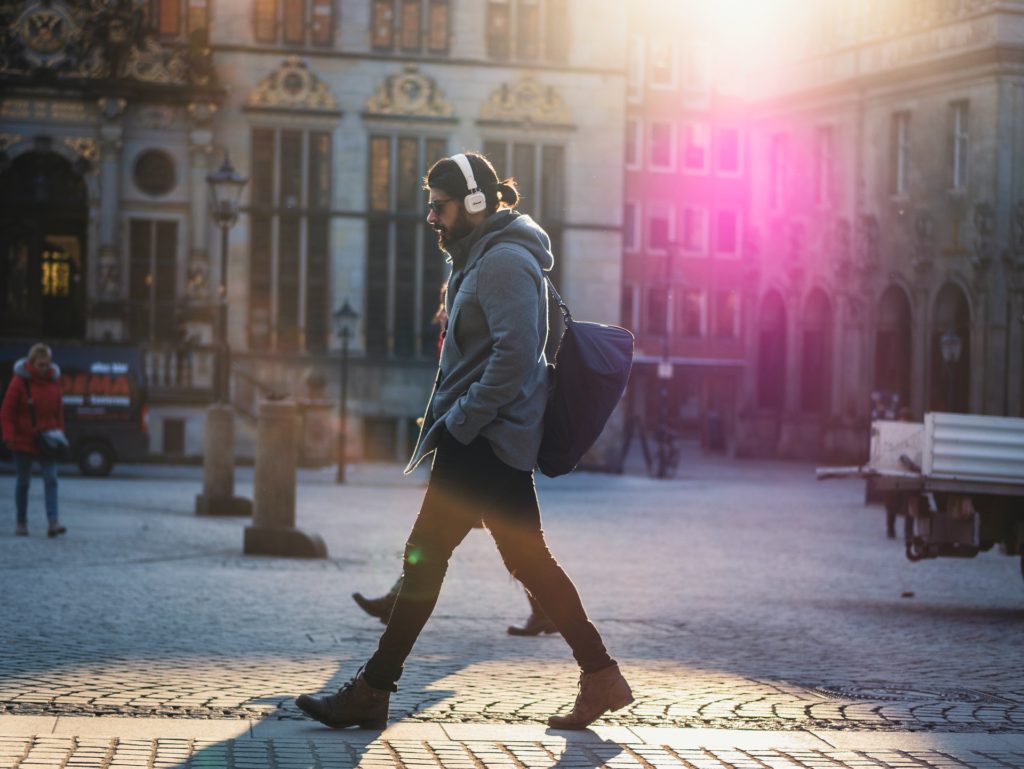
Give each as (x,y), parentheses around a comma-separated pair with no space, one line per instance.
(484,424)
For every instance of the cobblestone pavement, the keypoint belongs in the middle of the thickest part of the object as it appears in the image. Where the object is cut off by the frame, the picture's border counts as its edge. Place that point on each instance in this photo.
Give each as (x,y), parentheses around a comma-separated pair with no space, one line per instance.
(739,595)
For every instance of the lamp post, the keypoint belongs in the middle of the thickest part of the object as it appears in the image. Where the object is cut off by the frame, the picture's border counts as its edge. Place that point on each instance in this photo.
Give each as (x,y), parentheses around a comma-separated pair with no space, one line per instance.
(665,447)
(951,345)
(226,186)
(218,497)
(344,319)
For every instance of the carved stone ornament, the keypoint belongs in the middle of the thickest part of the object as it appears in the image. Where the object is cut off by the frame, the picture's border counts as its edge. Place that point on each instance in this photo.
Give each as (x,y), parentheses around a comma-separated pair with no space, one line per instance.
(924,238)
(7,140)
(528,103)
(984,234)
(90,39)
(198,275)
(111,108)
(292,86)
(409,94)
(109,276)
(88,149)
(202,113)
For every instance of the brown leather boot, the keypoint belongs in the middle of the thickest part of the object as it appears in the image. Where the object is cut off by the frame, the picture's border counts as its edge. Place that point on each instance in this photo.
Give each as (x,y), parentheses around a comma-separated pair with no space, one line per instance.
(599,692)
(356,704)
(535,624)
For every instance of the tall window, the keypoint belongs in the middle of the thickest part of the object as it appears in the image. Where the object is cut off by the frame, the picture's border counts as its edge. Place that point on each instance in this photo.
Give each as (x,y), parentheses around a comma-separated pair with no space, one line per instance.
(539,170)
(779,169)
(697,75)
(727,232)
(528,30)
(288,259)
(660,231)
(294,22)
(691,305)
(153,249)
(175,18)
(727,315)
(656,317)
(823,165)
(663,64)
(411,26)
(899,153)
(635,69)
(959,143)
(696,146)
(630,227)
(695,226)
(404,267)
(662,147)
(729,162)
(634,143)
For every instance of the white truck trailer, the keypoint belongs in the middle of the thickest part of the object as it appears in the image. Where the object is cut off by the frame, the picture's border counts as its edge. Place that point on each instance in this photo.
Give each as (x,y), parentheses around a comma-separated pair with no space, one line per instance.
(957,478)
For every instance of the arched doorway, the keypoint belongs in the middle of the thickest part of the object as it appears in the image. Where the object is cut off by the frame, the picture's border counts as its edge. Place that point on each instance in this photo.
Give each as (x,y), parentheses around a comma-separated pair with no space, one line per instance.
(43,218)
(950,381)
(771,353)
(816,354)
(893,347)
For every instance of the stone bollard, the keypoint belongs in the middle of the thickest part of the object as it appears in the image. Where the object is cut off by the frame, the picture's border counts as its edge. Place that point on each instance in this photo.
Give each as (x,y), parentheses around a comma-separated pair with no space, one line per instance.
(273,529)
(218,497)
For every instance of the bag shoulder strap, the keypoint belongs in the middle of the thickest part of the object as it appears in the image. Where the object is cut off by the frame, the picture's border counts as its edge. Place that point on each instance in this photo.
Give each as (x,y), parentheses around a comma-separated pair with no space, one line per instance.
(566,315)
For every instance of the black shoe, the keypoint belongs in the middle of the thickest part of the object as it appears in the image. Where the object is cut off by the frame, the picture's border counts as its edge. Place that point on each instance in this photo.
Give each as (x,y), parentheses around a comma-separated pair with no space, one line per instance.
(55,529)
(536,623)
(376,607)
(356,704)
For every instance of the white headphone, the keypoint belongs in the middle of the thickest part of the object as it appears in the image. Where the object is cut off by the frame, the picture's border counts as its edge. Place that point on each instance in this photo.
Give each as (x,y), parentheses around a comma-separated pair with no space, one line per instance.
(475,202)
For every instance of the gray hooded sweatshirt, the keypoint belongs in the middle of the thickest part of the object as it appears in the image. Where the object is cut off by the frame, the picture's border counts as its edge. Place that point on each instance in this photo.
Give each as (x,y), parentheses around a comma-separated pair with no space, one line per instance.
(493,378)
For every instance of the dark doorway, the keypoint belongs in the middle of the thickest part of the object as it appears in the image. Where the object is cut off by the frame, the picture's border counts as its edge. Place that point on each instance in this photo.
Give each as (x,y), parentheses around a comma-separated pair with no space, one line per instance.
(816,354)
(43,215)
(771,353)
(950,382)
(892,348)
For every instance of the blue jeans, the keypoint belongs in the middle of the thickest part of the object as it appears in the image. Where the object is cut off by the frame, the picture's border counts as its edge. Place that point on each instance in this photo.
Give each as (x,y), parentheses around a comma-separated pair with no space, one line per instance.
(23,464)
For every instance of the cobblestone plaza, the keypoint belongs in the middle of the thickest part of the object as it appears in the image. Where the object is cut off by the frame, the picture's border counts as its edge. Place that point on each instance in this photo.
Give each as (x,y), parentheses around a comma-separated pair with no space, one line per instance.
(761,616)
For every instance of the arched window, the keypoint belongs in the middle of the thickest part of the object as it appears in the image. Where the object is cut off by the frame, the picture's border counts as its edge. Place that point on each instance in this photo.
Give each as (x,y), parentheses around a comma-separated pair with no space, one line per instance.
(771,353)
(816,354)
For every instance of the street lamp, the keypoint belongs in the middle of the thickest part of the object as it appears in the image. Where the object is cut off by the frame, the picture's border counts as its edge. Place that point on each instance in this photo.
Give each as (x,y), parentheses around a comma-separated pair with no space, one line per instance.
(344,319)
(951,345)
(665,447)
(226,186)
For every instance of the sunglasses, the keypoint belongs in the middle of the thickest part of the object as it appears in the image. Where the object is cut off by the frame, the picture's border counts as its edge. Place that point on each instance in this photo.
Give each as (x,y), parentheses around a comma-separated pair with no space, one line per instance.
(437,206)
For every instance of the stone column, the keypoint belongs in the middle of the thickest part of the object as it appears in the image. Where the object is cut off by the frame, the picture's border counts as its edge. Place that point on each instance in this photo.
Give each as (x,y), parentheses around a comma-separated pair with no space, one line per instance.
(109,275)
(273,529)
(789,434)
(218,497)
(200,144)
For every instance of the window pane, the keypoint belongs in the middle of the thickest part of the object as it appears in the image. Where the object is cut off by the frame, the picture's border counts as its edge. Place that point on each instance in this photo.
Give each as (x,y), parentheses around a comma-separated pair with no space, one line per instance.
(556,41)
(287,325)
(291,169)
(657,232)
(691,307)
(552,180)
(405,289)
(377,287)
(295,21)
(165,288)
(523,170)
(198,15)
(497,153)
(140,276)
(262,167)
(319,170)
(661,145)
(323,22)
(528,29)
(727,310)
(265,21)
(498,29)
(317,282)
(656,302)
(411,23)
(696,145)
(165,16)
(437,31)
(662,62)
(436,149)
(259,283)
(383,24)
(629,225)
(380,173)
(433,277)
(726,237)
(409,175)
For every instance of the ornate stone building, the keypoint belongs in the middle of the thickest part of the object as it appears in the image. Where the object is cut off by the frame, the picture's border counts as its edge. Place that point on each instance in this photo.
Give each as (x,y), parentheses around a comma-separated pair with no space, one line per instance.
(886,195)
(113,112)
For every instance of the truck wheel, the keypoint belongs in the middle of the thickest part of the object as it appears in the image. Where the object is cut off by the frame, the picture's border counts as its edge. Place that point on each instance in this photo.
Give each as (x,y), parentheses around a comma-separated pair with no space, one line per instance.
(96,459)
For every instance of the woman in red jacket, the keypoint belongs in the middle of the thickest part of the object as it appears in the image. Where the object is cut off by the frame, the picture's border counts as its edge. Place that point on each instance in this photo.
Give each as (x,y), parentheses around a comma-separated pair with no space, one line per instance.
(36,374)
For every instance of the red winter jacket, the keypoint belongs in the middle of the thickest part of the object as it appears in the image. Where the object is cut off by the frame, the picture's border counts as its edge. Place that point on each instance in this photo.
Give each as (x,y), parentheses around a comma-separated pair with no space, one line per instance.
(49,403)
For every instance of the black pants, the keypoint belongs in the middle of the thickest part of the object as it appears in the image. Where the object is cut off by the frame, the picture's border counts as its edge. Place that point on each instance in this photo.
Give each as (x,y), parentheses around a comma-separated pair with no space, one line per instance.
(469,484)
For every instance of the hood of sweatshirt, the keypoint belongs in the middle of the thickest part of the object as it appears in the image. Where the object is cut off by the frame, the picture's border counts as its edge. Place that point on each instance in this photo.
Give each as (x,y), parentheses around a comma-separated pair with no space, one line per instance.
(510,227)
(22,369)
